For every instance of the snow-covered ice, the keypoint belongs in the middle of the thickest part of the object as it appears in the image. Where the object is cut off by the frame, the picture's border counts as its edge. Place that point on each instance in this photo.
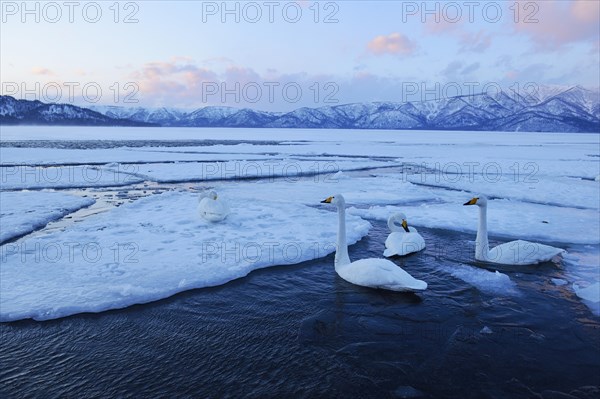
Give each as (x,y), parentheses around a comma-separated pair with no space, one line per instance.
(590,293)
(356,190)
(154,248)
(559,281)
(582,269)
(24,177)
(484,280)
(590,296)
(507,219)
(555,190)
(26,211)
(486,330)
(10,156)
(289,169)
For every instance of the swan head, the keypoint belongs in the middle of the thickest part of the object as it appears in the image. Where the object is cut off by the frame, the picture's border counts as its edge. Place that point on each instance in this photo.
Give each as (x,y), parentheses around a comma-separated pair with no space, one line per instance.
(337,200)
(480,200)
(398,217)
(208,194)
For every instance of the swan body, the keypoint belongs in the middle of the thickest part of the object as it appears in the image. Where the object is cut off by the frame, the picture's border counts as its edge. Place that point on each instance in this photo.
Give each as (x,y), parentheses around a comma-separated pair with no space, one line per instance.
(517,252)
(212,208)
(402,240)
(373,272)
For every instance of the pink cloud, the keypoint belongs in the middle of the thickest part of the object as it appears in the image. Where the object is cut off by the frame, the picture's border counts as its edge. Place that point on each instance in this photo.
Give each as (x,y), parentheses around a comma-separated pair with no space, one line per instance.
(588,10)
(42,71)
(363,75)
(512,75)
(172,79)
(558,23)
(183,84)
(394,43)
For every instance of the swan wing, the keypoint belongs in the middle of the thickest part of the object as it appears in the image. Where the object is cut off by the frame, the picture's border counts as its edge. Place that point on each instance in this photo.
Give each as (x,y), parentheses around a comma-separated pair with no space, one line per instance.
(401,244)
(380,273)
(213,210)
(522,252)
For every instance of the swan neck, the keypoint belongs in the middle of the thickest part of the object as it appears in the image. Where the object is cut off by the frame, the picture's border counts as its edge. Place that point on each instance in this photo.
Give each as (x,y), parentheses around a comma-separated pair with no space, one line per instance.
(392,225)
(481,242)
(341,253)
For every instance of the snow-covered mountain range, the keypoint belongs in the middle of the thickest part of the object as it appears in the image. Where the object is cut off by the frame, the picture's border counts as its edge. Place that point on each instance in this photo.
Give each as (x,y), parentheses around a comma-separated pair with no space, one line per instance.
(24,112)
(574,109)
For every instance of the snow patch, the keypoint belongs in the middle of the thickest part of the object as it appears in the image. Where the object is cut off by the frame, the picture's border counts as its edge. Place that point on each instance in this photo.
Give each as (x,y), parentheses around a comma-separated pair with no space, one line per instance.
(590,293)
(559,282)
(23,212)
(484,280)
(486,330)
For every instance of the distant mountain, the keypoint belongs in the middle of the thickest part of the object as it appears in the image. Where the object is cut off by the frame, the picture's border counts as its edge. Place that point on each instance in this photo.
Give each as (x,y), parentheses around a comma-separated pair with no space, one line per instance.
(160,116)
(549,110)
(24,112)
(202,117)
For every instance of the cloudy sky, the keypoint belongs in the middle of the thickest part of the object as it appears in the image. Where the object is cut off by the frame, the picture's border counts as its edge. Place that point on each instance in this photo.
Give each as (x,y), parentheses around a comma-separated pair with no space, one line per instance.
(279,55)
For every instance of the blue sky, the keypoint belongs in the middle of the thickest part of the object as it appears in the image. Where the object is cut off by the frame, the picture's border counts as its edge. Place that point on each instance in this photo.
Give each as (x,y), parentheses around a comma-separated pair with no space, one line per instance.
(190,54)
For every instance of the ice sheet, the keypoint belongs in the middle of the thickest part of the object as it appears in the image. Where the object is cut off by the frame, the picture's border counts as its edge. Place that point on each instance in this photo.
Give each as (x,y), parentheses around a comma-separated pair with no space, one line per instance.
(60,156)
(356,190)
(582,270)
(539,154)
(509,220)
(24,212)
(484,280)
(528,139)
(544,189)
(288,169)
(38,177)
(590,293)
(154,248)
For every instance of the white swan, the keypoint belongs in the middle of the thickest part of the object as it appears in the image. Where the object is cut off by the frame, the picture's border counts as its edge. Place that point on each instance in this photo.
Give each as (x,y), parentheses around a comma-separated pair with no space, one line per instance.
(403,240)
(212,208)
(511,253)
(373,273)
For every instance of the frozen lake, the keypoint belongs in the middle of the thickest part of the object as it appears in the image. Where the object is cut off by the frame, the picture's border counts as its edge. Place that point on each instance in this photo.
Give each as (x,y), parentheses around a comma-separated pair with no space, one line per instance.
(96,226)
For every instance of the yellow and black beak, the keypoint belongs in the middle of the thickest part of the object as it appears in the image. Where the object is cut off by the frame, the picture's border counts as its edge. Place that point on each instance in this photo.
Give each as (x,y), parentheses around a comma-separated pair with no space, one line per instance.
(473,201)
(405,226)
(327,200)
